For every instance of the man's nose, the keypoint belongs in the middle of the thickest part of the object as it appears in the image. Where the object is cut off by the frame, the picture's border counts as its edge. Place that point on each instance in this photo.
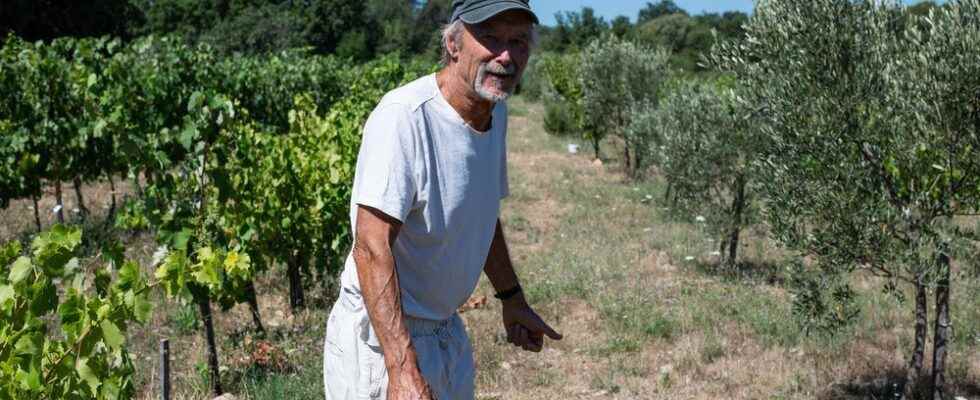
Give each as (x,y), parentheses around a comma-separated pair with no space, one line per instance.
(504,58)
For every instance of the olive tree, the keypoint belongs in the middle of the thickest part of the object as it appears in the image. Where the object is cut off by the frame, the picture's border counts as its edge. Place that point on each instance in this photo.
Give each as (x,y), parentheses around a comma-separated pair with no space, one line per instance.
(562,93)
(702,146)
(618,79)
(870,130)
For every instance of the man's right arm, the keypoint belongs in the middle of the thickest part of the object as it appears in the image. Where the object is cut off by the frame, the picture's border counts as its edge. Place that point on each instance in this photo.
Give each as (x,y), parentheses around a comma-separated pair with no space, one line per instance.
(376,232)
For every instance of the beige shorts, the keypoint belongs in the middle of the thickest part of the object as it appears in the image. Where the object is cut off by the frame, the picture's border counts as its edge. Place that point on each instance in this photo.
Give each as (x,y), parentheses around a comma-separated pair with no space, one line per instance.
(353,364)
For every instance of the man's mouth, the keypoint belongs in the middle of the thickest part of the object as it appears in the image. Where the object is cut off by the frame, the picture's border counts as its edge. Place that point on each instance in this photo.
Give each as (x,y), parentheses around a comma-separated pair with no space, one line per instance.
(500,76)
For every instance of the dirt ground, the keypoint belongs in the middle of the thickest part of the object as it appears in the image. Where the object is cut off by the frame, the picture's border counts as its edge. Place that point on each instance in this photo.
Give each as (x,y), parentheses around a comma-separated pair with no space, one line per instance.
(644,312)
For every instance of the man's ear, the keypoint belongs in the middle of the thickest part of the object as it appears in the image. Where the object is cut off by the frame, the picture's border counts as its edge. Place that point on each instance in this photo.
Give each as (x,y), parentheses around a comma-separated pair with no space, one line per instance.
(453,47)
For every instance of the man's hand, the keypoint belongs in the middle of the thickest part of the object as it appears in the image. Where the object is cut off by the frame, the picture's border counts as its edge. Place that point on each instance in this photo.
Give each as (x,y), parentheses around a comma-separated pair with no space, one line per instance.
(524,327)
(408,384)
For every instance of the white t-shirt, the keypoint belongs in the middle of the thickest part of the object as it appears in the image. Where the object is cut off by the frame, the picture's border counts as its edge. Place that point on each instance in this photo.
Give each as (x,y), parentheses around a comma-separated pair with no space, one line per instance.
(420,163)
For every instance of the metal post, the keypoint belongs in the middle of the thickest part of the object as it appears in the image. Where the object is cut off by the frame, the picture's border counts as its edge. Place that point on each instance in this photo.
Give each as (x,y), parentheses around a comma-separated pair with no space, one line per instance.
(165,369)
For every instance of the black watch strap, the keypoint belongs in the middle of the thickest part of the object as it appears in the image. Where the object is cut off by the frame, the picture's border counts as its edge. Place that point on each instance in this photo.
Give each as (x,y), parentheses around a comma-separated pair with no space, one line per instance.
(506,294)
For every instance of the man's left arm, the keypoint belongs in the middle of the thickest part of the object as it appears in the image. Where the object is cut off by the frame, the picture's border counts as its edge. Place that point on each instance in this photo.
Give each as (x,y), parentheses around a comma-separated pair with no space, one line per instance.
(524,327)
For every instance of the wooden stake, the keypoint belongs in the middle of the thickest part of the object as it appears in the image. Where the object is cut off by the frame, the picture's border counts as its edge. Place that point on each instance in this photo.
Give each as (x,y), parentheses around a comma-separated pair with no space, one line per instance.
(165,369)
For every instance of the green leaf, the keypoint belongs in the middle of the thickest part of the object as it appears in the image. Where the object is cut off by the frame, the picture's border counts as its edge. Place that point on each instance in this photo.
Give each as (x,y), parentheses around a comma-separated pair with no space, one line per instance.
(29,344)
(53,249)
(8,252)
(45,298)
(86,373)
(180,239)
(129,276)
(188,136)
(142,309)
(6,293)
(207,270)
(111,334)
(30,379)
(99,128)
(102,281)
(72,309)
(171,273)
(20,270)
(195,101)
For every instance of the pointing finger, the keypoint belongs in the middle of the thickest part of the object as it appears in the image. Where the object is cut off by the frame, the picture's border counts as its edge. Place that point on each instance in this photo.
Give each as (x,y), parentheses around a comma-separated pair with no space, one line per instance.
(547,330)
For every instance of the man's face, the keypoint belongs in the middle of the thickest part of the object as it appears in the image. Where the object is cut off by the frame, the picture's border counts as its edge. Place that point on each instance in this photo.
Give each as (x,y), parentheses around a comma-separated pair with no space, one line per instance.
(494,53)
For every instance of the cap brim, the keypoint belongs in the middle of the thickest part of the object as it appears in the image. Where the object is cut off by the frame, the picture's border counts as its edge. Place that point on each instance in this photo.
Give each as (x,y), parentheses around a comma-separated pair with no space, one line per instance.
(483,13)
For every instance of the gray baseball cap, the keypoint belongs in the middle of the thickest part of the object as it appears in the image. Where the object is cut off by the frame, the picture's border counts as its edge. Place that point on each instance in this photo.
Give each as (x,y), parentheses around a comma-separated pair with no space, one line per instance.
(477,11)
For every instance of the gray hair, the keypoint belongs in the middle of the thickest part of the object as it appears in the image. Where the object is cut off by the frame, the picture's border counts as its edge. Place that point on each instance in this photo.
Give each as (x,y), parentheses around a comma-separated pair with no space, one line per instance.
(454,31)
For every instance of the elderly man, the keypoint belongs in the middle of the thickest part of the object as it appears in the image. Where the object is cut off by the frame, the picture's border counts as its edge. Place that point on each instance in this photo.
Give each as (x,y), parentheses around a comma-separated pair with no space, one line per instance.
(425,209)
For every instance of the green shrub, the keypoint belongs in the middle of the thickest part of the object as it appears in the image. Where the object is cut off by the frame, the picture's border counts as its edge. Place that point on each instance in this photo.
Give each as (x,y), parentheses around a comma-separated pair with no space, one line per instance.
(559,118)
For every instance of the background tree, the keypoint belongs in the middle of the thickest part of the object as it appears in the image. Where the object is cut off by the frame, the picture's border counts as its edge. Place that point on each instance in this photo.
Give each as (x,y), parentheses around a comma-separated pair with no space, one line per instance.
(705,149)
(685,37)
(48,19)
(656,10)
(263,28)
(621,26)
(574,30)
(870,127)
(329,21)
(618,78)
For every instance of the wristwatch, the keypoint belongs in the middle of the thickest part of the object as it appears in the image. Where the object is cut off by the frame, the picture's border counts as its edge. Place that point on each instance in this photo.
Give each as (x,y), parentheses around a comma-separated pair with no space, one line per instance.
(506,294)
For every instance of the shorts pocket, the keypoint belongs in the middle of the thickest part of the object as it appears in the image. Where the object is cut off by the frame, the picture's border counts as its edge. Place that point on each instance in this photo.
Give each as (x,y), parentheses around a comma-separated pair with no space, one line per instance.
(372,374)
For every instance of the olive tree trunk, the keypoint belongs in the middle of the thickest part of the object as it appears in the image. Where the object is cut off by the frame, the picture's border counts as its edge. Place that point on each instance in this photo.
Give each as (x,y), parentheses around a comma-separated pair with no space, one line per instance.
(941,330)
(737,212)
(921,333)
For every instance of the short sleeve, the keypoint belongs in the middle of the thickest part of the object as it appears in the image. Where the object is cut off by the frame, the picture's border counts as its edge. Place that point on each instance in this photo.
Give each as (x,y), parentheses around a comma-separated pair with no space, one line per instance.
(386,164)
(501,113)
(504,183)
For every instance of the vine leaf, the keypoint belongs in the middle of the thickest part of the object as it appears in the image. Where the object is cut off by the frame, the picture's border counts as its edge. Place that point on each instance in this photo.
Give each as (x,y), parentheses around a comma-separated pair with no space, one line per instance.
(111,335)
(20,270)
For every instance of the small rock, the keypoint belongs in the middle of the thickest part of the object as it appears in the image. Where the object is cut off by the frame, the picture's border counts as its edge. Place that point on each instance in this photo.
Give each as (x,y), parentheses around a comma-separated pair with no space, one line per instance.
(597,163)
(505,365)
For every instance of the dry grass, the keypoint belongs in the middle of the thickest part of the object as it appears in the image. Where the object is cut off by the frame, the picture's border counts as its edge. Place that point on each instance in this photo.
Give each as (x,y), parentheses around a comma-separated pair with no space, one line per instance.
(608,266)
(17,221)
(604,261)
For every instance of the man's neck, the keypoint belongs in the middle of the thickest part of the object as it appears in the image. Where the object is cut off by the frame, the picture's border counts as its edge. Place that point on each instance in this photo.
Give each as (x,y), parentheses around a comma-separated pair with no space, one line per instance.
(474,110)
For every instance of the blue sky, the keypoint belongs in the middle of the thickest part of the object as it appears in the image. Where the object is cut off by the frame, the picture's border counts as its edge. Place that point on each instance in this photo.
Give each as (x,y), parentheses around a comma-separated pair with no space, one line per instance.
(609,9)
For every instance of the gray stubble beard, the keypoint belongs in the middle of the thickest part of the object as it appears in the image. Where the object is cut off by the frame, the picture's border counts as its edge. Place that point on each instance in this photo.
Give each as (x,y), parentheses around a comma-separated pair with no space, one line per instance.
(481,75)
